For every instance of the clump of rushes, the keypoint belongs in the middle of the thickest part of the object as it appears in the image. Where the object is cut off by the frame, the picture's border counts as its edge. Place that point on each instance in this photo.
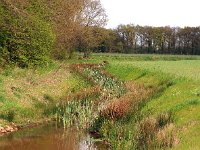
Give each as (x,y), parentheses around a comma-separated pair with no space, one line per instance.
(76,113)
(156,133)
(78,109)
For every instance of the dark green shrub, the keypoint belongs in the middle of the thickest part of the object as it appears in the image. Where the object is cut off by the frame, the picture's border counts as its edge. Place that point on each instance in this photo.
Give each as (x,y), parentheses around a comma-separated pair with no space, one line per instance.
(8,115)
(25,39)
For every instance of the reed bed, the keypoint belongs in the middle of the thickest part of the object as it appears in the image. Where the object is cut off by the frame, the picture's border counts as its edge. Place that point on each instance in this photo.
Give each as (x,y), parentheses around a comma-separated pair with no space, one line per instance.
(76,113)
(83,107)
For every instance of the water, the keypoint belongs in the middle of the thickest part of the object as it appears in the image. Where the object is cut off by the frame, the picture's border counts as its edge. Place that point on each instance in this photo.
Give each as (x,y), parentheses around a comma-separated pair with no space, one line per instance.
(50,137)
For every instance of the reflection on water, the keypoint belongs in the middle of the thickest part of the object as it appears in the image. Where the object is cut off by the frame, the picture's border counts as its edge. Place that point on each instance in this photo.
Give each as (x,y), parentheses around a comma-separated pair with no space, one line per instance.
(49,137)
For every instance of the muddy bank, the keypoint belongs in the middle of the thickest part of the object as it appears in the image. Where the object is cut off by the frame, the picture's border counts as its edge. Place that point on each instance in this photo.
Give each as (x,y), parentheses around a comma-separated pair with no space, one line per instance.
(12,127)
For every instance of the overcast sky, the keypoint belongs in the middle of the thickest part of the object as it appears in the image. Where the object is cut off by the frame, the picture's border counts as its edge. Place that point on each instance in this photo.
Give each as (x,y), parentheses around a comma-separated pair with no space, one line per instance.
(153,12)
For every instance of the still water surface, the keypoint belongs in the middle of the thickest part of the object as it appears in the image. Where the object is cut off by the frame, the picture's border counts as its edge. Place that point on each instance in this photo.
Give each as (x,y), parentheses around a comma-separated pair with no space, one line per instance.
(50,137)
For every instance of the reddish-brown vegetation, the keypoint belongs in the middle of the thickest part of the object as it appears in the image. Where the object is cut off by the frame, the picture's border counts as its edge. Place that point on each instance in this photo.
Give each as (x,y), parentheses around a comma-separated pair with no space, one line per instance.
(120,107)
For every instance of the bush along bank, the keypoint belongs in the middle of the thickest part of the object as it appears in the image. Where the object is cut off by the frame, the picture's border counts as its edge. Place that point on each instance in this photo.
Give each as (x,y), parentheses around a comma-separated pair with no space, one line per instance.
(26,39)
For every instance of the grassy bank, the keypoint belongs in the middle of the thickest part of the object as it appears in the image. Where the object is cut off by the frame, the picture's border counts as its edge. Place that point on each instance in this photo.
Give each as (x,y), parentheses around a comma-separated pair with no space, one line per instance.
(180,95)
(29,95)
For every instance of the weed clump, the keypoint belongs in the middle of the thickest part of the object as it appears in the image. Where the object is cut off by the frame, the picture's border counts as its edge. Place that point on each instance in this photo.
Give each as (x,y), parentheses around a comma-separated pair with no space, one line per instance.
(128,104)
(166,136)
(145,135)
(152,133)
(116,109)
(8,115)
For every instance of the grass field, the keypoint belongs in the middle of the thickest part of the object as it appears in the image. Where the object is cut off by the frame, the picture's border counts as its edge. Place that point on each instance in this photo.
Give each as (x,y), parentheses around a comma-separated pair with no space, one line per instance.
(183,68)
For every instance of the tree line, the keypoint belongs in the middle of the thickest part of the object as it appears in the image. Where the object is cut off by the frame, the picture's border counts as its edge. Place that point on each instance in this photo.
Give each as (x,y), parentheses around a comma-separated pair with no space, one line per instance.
(152,40)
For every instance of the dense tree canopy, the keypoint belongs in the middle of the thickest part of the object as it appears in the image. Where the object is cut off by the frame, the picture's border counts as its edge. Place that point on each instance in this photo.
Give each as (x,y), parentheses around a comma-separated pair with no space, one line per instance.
(160,40)
(25,39)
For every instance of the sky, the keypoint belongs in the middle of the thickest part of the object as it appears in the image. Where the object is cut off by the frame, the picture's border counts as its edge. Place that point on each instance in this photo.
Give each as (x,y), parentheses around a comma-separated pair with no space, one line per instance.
(152,12)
